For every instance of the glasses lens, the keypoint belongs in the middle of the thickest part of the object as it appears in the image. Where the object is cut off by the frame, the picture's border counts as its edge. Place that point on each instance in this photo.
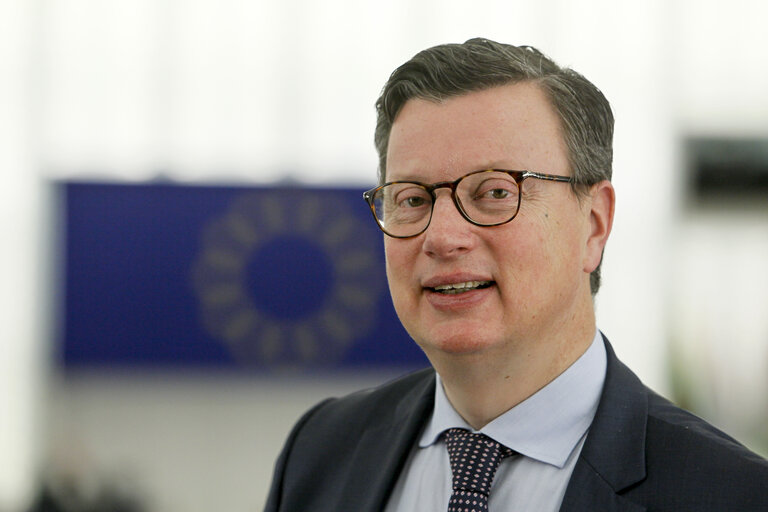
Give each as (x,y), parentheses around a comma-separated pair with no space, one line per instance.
(402,209)
(489,197)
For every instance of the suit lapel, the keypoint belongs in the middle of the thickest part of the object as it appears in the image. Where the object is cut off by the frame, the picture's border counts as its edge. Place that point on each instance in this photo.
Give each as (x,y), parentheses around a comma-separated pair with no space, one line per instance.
(613,457)
(587,492)
(383,449)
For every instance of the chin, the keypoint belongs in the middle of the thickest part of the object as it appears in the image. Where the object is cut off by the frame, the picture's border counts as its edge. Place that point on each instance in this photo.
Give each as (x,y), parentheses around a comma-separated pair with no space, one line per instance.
(456,344)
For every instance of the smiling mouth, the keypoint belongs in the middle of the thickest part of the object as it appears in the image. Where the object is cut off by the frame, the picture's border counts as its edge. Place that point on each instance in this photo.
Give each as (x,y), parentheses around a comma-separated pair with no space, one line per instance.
(456,288)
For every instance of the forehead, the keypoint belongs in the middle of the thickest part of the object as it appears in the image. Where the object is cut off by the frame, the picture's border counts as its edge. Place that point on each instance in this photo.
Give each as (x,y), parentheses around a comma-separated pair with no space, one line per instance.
(511,126)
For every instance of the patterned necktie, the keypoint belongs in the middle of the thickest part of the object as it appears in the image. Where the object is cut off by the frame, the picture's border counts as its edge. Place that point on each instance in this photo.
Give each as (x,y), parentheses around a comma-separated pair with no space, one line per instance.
(474,460)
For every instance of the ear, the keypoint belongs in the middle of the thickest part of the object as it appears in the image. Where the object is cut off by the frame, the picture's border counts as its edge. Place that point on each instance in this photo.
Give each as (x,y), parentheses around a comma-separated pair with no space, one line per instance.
(602,203)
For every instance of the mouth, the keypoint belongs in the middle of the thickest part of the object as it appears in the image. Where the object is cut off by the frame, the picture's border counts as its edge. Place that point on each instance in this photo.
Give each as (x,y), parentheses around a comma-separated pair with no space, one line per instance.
(457,288)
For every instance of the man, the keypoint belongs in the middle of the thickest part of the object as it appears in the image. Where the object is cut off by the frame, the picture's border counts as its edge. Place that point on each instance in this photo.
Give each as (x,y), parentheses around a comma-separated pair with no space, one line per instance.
(496,204)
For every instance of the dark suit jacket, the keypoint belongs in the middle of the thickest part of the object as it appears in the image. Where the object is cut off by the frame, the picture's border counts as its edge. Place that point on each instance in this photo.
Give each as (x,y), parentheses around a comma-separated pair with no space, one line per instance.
(641,453)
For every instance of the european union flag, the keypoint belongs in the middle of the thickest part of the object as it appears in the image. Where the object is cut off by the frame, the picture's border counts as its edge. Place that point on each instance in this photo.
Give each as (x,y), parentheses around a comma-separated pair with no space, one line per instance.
(177,275)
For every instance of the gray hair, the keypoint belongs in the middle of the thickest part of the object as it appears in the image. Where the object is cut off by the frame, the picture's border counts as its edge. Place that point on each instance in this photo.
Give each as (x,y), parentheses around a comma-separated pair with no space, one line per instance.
(450,70)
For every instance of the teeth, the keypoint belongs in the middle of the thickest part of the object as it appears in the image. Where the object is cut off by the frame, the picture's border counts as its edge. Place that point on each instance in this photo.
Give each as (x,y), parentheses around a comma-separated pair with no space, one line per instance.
(460,287)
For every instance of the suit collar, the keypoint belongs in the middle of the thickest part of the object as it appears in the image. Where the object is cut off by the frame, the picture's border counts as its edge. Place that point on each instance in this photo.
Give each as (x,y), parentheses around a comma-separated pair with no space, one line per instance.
(613,457)
(382,451)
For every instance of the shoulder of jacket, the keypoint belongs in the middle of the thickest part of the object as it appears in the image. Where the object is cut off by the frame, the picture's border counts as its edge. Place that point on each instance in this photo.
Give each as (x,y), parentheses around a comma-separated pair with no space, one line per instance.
(361,405)
(698,439)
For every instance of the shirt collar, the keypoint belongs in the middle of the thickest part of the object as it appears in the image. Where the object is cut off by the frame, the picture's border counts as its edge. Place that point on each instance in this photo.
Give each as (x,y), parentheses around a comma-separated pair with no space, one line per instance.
(546,426)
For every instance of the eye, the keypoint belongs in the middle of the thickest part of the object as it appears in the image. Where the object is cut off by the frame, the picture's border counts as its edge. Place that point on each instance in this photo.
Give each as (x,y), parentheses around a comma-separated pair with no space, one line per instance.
(412,197)
(413,201)
(497,193)
(496,188)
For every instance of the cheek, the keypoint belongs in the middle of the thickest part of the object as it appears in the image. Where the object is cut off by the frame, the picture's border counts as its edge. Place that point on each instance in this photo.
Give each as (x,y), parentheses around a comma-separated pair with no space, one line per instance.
(523,267)
(540,257)
(528,253)
(399,268)
(392,257)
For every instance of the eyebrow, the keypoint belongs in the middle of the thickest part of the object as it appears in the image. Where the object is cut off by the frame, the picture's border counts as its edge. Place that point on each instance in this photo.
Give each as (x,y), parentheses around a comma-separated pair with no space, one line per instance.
(421,179)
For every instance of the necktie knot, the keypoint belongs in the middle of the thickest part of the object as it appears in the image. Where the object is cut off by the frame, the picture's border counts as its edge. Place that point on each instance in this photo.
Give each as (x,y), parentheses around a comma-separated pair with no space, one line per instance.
(474,461)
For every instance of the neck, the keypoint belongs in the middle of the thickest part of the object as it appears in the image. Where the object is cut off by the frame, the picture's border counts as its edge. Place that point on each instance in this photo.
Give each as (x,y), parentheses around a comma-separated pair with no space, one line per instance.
(483,386)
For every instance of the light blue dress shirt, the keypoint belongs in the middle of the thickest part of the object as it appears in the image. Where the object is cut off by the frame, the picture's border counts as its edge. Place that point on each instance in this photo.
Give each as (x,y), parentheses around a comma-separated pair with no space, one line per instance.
(547,430)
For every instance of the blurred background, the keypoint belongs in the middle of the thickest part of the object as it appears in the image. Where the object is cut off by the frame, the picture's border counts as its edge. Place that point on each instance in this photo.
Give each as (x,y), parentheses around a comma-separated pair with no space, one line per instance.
(157,156)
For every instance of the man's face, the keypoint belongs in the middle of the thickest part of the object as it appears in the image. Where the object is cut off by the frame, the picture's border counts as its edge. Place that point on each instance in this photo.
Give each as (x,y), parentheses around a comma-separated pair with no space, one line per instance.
(537,265)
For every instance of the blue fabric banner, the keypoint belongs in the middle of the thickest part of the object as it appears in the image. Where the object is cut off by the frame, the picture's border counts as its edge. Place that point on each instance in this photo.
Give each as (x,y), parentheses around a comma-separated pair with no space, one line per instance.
(254,277)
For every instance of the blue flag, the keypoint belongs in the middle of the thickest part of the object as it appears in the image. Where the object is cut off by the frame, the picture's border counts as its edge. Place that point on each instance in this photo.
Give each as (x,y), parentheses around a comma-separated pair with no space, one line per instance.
(255,277)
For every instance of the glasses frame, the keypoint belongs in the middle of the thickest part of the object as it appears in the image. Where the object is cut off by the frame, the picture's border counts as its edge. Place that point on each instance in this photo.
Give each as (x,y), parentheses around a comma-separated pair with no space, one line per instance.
(518,176)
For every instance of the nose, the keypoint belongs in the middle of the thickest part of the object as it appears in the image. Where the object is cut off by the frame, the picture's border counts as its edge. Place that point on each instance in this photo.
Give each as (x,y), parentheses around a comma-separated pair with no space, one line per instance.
(448,235)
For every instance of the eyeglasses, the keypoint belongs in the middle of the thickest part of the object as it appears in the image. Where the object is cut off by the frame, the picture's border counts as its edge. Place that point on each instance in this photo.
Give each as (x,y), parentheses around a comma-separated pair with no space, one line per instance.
(491,197)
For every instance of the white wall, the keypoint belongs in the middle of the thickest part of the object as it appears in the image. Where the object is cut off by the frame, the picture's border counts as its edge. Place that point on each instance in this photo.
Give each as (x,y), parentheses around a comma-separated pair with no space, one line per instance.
(21,262)
(717,280)
(254,91)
